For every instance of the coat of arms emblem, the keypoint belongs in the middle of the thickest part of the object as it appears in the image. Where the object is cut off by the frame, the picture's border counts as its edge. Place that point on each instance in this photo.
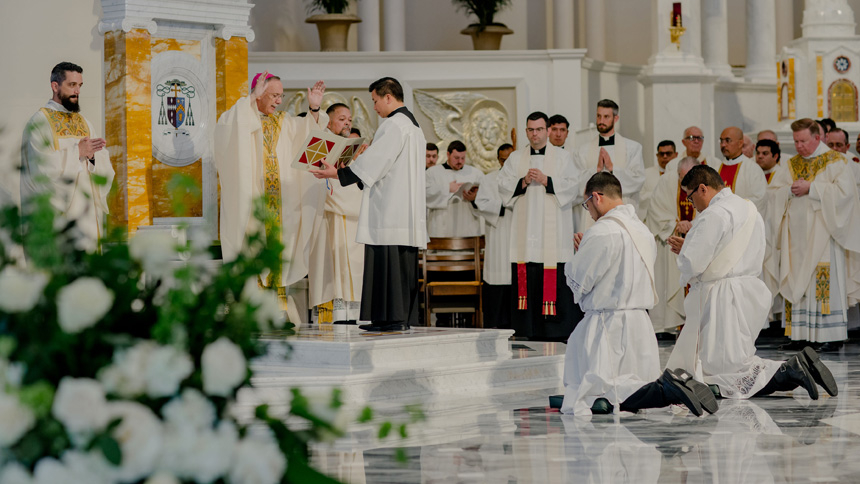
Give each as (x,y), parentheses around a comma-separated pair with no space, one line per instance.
(178,112)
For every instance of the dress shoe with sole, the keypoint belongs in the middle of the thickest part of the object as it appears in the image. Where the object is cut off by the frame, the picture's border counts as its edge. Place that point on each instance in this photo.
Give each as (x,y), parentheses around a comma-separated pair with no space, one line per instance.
(830,347)
(680,387)
(601,406)
(795,370)
(819,371)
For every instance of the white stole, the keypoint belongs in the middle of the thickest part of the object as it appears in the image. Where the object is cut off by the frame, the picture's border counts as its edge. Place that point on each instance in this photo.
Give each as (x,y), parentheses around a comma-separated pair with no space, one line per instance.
(643,247)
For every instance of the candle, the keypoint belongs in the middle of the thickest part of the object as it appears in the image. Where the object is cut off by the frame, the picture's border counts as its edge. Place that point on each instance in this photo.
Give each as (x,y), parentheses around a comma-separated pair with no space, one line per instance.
(676,14)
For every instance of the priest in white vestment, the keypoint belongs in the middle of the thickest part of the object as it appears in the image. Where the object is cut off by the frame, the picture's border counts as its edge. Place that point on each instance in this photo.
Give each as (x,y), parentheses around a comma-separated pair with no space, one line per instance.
(497,264)
(694,142)
(740,173)
(613,153)
(541,183)
(669,213)
(62,154)
(451,189)
(815,214)
(336,259)
(392,220)
(612,354)
(721,258)
(254,148)
(767,157)
(665,153)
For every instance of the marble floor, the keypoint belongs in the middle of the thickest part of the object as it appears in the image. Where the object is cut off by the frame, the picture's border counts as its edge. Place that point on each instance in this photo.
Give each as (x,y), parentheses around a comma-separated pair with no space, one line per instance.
(515,438)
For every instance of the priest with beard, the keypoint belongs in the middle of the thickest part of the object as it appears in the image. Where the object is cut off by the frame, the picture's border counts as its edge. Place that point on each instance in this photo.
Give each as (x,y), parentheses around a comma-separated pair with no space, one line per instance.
(450,208)
(62,154)
(541,184)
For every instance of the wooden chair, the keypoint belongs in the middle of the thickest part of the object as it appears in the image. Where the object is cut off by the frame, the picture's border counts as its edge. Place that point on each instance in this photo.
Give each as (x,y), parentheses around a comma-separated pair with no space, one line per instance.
(444,257)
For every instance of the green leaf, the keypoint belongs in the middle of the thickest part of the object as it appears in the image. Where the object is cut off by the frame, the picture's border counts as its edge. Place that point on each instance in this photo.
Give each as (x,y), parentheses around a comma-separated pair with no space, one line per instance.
(384,429)
(110,448)
(366,415)
(99,179)
(402,431)
(38,397)
(401,456)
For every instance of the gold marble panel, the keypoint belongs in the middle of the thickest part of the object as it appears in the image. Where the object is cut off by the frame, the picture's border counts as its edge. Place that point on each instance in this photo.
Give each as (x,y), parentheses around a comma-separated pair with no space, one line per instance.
(114,55)
(191,47)
(231,72)
(138,110)
(160,201)
(819,76)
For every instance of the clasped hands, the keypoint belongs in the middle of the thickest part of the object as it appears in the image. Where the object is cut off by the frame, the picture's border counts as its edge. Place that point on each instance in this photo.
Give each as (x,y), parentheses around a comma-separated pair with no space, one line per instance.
(800,187)
(87,147)
(534,174)
(604,162)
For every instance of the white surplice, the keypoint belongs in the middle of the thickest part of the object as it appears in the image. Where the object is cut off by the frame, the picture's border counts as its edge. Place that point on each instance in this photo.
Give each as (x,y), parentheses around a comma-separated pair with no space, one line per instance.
(612,352)
(448,214)
(817,231)
(728,303)
(750,182)
(652,176)
(240,160)
(393,204)
(50,161)
(497,256)
(627,165)
(663,216)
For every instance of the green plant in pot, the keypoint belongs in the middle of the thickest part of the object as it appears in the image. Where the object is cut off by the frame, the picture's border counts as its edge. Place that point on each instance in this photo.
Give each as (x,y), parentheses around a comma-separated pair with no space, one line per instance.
(486,34)
(333,25)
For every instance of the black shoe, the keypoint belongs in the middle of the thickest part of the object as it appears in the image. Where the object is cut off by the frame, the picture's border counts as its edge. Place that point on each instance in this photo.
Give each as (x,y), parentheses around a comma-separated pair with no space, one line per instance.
(794,345)
(715,389)
(830,347)
(384,328)
(601,406)
(797,372)
(819,371)
(555,401)
(679,387)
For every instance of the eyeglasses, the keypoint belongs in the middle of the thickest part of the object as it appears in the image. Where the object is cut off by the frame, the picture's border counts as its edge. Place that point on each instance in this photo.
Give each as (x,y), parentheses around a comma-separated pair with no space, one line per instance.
(585,203)
(694,138)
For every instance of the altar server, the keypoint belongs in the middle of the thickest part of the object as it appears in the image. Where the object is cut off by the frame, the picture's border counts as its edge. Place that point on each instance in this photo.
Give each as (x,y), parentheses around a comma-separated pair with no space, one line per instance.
(392,220)
(721,258)
(61,153)
(541,183)
(451,188)
(612,360)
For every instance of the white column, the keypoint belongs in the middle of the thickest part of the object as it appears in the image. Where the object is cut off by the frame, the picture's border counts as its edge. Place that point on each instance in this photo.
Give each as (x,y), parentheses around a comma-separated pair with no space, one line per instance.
(761,41)
(394,24)
(595,29)
(368,29)
(784,26)
(562,27)
(715,37)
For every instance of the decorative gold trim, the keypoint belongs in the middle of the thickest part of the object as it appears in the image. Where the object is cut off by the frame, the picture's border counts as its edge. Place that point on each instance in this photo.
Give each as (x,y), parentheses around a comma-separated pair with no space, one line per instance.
(272,183)
(66,125)
(792,100)
(822,287)
(808,170)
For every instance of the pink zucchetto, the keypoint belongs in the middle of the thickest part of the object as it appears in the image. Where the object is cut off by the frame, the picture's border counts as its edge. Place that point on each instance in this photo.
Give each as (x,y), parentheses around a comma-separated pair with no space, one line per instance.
(257,77)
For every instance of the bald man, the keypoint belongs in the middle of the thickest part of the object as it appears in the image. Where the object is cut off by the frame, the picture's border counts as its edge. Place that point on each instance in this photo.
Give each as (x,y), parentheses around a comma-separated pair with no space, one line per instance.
(767,134)
(740,173)
(694,143)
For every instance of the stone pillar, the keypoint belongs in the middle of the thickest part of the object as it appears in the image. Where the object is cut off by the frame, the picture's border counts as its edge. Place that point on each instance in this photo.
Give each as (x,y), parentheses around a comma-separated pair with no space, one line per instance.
(368,29)
(715,37)
(784,26)
(563,21)
(595,29)
(761,41)
(394,24)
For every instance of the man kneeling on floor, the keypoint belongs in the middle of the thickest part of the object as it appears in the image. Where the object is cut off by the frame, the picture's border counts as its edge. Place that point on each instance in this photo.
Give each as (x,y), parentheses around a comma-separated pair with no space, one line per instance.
(612,358)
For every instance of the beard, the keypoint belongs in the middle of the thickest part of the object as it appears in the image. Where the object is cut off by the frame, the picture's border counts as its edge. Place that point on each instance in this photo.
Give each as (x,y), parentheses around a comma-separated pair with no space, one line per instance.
(345,132)
(605,128)
(68,103)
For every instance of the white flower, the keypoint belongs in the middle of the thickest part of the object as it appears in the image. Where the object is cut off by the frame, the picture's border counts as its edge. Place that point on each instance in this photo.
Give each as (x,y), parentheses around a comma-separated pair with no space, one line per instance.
(20,290)
(166,367)
(257,460)
(266,302)
(191,409)
(80,405)
(75,468)
(139,436)
(155,249)
(126,376)
(15,473)
(224,367)
(321,404)
(15,420)
(162,478)
(202,456)
(82,304)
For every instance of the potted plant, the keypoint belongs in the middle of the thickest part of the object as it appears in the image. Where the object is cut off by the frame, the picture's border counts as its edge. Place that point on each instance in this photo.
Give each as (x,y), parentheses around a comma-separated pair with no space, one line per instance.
(333,25)
(486,34)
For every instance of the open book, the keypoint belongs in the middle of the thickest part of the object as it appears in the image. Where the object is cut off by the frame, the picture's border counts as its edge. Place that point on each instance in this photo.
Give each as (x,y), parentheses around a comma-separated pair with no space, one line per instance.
(322,145)
(465,188)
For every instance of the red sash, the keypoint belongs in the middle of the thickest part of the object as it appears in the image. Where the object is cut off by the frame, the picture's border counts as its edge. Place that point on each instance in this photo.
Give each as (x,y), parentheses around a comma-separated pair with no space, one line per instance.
(768,176)
(729,173)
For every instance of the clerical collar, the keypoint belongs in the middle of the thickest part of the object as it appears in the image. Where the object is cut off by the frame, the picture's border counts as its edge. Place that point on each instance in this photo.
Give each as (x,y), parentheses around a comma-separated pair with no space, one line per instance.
(610,141)
(406,113)
(541,151)
(446,166)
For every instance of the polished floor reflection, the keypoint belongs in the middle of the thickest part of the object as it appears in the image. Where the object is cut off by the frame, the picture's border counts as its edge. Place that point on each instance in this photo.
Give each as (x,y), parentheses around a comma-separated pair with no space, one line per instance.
(515,438)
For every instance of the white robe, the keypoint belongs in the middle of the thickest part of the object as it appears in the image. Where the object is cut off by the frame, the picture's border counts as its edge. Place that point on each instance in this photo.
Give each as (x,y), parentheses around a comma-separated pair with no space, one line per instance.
(240,160)
(724,312)
(448,214)
(393,204)
(661,220)
(822,227)
(53,164)
(629,169)
(566,193)
(750,182)
(497,263)
(652,176)
(612,352)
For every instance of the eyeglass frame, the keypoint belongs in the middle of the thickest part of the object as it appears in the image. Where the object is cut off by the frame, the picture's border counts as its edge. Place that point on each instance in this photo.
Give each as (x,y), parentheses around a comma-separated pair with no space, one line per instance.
(585,203)
(694,138)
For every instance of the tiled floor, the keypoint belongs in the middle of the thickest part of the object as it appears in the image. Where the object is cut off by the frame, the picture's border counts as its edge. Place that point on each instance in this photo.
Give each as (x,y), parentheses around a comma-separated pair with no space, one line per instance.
(517,439)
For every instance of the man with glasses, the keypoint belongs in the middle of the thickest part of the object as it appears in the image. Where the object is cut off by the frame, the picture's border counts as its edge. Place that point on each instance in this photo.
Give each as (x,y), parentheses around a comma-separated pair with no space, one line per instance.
(665,153)
(694,142)
(541,183)
(254,148)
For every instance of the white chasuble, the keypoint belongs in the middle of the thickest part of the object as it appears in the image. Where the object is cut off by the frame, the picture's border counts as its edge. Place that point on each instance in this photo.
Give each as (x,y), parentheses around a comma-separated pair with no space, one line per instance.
(612,352)
(253,155)
(448,214)
(498,218)
(652,176)
(728,303)
(817,241)
(627,166)
(50,161)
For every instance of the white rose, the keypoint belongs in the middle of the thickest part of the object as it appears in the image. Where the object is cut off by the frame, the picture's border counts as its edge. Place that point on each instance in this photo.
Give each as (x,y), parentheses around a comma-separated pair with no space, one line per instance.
(75,468)
(126,375)
(82,304)
(215,449)
(224,367)
(162,478)
(166,367)
(15,420)
(15,473)
(321,405)
(257,460)
(155,250)
(266,302)
(139,436)
(80,405)
(20,290)
(192,409)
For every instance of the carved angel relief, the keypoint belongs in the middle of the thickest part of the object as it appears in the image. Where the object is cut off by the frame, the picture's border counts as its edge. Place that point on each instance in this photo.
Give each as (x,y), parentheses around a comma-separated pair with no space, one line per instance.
(480,122)
(361,117)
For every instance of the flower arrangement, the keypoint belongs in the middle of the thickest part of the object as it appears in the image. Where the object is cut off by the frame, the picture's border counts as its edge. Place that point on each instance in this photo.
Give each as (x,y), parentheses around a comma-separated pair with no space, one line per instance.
(122,365)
